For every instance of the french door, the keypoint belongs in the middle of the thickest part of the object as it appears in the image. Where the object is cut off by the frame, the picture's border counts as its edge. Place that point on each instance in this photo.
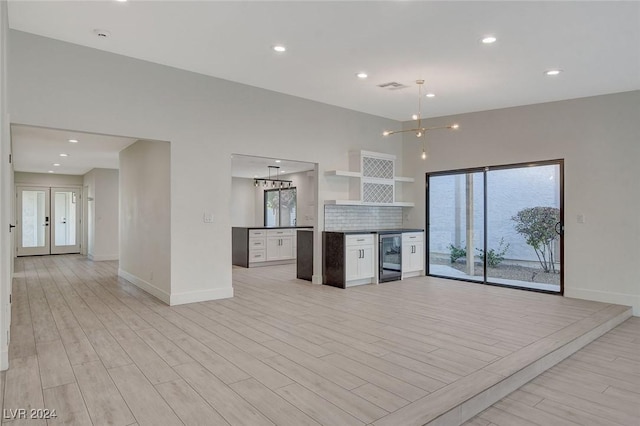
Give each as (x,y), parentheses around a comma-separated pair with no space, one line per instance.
(48,220)
(498,225)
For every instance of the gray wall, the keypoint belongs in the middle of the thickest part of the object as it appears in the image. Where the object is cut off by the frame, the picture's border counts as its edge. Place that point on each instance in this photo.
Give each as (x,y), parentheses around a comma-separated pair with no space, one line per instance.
(145,220)
(598,137)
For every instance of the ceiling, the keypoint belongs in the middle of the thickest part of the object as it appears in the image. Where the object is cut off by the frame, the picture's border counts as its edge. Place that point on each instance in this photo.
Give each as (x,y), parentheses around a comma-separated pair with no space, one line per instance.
(596,44)
(246,166)
(37,149)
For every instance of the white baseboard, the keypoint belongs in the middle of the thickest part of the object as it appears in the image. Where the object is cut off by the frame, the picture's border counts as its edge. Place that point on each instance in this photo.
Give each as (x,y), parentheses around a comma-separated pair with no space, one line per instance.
(102,257)
(316,279)
(4,360)
(146,286)
(201,296)
(606,297)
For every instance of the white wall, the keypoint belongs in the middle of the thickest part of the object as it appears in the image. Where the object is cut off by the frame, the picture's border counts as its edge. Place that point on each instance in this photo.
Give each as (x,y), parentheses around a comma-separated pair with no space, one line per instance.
(243,203)
(145,217)
(6,196)
(598,138)
(103,214)
(47,179)
(60,85)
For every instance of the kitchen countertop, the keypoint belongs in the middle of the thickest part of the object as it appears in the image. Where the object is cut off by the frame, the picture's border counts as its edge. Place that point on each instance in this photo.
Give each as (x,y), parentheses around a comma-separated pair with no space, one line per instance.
(378,231)
(274,227)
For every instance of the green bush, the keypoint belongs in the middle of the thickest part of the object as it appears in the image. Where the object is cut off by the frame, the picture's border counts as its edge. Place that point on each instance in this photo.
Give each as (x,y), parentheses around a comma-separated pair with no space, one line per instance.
(538,226)
(495,257)
(457,253)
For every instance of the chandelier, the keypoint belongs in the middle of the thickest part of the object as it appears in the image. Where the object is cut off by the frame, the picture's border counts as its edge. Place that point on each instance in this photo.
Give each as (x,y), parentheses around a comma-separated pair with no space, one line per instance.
(273,182)
(419,130)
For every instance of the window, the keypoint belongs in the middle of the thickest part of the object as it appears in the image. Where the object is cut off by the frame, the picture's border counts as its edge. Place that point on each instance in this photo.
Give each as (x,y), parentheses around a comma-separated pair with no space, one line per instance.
(280,207)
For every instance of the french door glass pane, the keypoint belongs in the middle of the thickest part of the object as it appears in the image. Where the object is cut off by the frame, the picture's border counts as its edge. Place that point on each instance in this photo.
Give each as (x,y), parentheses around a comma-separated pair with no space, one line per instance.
(272,208)
(65,218)
(280,207)
(33,218)
(523,212)
(288,203)
(456,225)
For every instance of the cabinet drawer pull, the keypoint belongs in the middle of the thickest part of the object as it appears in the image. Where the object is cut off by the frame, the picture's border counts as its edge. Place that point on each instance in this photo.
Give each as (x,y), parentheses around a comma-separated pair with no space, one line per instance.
(360,239)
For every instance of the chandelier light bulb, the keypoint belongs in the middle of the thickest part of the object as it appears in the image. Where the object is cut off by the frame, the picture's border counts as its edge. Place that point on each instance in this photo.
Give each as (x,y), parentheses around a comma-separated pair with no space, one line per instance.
(386,133)
(414,116)
(424,154)
(419,134)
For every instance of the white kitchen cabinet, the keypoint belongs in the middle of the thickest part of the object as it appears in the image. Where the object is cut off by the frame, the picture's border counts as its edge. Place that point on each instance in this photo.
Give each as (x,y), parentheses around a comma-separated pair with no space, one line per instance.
(412,254)
(280,245)
(359,259)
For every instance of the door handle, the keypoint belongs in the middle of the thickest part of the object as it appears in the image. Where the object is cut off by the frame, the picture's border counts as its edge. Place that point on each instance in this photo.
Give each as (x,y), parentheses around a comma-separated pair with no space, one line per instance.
(11,227)
(559,228)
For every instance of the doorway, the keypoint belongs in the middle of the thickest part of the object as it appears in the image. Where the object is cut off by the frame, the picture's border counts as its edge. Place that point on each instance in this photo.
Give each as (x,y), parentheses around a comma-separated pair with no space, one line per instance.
(48,220)
(500,225)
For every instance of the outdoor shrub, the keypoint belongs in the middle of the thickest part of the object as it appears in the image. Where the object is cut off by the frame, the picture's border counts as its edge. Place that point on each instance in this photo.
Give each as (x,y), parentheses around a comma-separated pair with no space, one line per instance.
(538,226)
(457,253)
(495,257)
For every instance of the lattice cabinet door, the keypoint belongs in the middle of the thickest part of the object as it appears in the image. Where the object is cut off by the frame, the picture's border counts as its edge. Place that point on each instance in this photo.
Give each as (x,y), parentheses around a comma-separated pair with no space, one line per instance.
(378,185)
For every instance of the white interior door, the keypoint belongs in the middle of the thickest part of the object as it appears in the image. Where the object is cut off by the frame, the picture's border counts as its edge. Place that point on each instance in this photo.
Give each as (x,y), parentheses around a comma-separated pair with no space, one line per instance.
(33,220)
(65,220)
(48,220)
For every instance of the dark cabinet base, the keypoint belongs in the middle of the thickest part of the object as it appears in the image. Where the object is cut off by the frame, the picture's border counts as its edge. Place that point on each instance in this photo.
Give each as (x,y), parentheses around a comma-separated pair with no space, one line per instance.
(304,255)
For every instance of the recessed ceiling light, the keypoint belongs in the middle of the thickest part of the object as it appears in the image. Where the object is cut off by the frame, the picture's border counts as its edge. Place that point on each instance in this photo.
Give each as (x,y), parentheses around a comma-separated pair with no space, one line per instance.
(552,72)
(73,140)
(50,171)
(279,48)
(362,75)
(102,33)
(64,155)
(430,95)
(489,40)
(56,164)
(278,161)
(121,1)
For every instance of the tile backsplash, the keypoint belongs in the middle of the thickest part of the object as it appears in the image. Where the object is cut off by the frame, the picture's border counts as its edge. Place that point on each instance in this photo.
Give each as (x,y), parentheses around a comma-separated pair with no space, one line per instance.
(349,218)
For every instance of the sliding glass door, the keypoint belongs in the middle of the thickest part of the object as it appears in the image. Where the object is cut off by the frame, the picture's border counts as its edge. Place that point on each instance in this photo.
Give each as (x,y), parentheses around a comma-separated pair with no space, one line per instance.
(456,225)
(280,207)
(498,225)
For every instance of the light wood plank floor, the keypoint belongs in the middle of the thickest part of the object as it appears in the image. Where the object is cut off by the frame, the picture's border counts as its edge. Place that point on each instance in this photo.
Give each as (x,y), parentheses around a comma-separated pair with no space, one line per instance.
(598,385)
(282,351)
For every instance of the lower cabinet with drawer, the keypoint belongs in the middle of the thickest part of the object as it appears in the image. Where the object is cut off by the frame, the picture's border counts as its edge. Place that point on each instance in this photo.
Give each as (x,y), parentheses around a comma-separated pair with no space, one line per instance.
(412,254)
(349,259)
(262,247)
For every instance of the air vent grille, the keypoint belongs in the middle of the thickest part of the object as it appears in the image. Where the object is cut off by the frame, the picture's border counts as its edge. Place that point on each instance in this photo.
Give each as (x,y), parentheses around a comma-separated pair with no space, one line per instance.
(392,85)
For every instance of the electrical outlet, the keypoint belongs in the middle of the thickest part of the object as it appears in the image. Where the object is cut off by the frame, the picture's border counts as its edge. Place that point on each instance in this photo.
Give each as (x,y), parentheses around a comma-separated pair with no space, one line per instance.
(207,217)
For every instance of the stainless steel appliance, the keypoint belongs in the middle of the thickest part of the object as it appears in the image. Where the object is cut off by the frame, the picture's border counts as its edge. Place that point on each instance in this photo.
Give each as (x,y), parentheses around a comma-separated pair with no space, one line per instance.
(390,257)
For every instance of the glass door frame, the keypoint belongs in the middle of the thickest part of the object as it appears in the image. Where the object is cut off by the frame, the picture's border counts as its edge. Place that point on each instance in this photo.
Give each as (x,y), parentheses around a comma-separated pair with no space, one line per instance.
(484,171)
(279,216)
(36,250)
(49,245)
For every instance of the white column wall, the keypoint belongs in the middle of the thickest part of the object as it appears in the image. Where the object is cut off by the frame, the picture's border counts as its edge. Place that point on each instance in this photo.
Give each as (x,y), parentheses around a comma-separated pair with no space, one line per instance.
(145,221)
(6,196)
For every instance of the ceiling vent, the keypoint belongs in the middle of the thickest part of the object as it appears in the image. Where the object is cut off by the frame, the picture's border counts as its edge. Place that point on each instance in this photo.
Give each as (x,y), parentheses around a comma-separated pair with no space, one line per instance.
(392,85)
